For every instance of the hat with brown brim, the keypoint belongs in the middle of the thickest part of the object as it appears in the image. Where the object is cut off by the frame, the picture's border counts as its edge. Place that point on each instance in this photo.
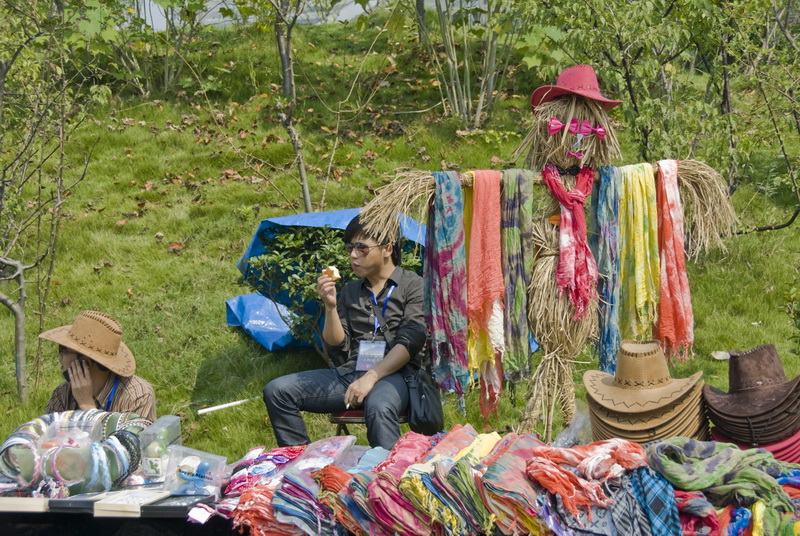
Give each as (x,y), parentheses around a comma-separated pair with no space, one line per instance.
(642,382)
(696,427)
(650,419)
(786,449)
(755,433)
(98,337)
(757,383)
(784,410)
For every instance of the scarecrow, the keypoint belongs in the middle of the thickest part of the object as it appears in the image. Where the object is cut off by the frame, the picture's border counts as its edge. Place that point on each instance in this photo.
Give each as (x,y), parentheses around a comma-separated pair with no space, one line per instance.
(581,287)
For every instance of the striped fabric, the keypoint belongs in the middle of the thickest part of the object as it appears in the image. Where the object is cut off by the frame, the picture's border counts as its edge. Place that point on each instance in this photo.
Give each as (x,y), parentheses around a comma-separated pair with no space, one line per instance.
(133,394)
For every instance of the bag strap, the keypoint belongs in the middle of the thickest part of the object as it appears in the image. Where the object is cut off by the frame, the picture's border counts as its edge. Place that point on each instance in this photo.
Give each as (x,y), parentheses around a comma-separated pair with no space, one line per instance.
(382,324)
(390,338)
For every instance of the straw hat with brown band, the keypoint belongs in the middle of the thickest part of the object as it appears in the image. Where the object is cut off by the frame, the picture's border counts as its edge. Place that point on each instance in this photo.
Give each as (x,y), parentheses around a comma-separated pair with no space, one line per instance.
(98,337)
(642,382)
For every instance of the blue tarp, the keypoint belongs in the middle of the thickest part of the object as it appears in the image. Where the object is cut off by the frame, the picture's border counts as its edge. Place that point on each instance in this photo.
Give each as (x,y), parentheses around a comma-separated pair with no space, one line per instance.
(258,315)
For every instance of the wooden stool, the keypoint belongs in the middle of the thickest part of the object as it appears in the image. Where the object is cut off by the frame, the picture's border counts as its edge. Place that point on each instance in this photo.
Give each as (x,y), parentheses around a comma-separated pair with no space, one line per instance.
(353,416)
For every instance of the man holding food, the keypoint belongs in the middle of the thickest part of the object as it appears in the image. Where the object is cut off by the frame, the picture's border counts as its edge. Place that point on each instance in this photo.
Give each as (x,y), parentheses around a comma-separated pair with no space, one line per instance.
(376,326)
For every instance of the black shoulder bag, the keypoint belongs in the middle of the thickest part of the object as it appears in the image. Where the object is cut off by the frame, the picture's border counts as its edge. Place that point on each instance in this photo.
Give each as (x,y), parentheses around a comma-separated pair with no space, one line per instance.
(425,413)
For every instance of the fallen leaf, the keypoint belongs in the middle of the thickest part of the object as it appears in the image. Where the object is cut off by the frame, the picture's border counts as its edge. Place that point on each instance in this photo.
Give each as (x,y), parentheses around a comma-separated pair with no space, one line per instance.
(121,222)
(175,246)
(148,185)
(496,161)
(130,293)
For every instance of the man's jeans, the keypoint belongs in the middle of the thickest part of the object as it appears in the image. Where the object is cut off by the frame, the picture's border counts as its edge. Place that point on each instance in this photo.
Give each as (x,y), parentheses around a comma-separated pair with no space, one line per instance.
(322,391)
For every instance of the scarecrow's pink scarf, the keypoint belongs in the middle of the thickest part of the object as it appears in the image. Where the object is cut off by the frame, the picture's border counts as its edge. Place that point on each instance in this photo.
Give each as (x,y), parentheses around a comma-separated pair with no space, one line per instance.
(485,288)
(577,271)
(675,325)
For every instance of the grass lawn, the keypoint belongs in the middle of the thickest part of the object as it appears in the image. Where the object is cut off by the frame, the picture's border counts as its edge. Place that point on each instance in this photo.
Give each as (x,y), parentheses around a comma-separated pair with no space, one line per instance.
(176,188)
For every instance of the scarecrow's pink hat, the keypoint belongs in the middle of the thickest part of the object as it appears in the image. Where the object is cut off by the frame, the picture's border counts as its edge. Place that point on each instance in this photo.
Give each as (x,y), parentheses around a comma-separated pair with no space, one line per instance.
(575,80)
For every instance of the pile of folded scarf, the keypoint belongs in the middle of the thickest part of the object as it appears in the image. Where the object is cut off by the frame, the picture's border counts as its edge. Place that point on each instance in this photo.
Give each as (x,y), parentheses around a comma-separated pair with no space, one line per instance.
(462,483)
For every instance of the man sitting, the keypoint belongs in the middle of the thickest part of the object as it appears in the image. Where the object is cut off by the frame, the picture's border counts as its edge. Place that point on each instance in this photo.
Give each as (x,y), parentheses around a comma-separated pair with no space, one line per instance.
(377,326)
(98,368)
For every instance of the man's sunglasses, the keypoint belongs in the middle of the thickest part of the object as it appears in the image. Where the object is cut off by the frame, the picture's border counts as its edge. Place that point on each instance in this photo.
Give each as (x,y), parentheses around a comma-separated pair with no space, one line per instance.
(361,248)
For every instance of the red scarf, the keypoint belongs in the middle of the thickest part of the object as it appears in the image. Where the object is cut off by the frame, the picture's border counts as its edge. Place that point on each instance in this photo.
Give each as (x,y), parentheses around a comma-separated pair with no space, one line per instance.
(577,271)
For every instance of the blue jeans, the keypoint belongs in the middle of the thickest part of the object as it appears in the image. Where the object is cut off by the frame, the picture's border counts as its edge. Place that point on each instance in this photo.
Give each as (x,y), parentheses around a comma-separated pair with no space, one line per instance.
(322,391)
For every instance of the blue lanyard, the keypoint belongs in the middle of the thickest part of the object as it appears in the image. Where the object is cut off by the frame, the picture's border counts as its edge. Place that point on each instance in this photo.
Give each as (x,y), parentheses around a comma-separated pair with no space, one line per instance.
(111,396)
(383,312)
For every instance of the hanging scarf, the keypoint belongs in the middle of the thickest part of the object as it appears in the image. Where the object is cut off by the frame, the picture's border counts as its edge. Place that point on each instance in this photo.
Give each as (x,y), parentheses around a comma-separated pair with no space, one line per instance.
(576,274)
(605,238)
(638,251)
(518,257)
(675,326)
(445,281)
(485,289)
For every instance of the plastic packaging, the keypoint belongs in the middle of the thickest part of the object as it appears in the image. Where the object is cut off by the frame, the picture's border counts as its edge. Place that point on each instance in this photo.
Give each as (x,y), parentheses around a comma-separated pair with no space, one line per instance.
(579,431)
(155,441)
(194,472)
(75,434)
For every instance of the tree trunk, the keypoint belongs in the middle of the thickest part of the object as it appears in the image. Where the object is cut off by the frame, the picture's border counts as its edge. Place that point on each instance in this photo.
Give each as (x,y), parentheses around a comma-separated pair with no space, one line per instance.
(18,309)
(283,35)
(422,24)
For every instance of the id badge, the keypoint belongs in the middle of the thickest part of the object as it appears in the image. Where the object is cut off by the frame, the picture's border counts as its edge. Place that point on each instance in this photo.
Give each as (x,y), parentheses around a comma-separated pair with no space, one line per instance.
(370,353)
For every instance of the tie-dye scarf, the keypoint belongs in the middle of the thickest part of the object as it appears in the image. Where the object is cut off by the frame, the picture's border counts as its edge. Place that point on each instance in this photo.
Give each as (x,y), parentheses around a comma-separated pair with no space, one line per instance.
(445,280)
(605,242)
(518,256)
(675,326)
(576,274)
(638,251)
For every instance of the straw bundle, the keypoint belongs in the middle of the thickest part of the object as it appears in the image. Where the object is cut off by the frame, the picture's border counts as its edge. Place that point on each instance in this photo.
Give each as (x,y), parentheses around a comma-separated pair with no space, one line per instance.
(708,213)
(551,319)
(410,193)
(540,148)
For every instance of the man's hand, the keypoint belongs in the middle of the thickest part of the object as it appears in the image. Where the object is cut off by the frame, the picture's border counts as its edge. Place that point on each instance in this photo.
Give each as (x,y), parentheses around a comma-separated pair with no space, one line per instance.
(326,288)
(80,380)
(359,389)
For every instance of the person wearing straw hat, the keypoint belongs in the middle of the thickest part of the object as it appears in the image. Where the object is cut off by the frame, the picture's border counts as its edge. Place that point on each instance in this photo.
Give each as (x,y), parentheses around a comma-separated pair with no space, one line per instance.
(98,368)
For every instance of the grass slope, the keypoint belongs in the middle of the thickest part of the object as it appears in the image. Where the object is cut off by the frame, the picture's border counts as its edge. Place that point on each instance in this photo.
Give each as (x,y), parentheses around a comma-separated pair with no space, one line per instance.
(176,188)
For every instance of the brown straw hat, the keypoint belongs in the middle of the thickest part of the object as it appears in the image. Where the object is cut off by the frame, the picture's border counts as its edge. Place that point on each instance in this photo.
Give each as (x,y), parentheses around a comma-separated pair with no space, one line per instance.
(758,385)
(641,383)
(98,337)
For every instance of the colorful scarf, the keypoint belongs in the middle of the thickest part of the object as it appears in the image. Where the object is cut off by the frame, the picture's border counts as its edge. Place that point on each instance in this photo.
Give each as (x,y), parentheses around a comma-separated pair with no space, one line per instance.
(675,326)
(445,281)
(485,290)
(576,274)
(605,239)
(595,463)
(638,251)
(697,515)
(518,257)
(725,474)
